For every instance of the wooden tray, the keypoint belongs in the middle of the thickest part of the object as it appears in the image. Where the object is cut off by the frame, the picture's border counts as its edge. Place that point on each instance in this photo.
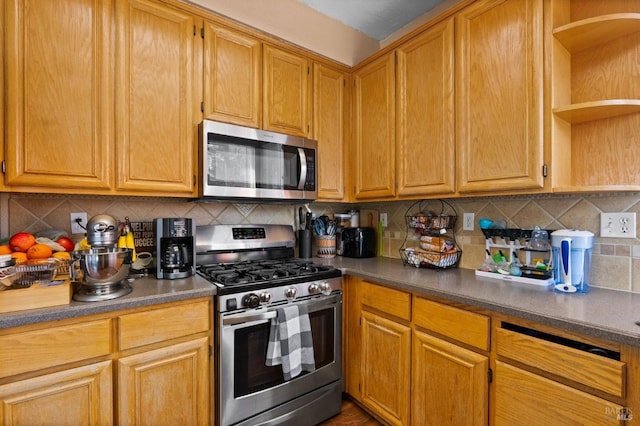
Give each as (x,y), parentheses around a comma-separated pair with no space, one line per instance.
(53,294)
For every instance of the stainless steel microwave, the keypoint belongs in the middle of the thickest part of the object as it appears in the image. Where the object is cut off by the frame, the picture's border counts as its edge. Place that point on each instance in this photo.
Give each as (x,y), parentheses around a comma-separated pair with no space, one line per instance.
(243,162)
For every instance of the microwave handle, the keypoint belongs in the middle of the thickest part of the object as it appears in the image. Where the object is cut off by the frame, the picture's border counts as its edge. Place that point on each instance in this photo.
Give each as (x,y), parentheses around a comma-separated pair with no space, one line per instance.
(303,169)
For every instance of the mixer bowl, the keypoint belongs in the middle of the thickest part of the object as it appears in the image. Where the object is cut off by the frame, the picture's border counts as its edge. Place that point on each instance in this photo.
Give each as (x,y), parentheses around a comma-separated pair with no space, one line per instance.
(98,266)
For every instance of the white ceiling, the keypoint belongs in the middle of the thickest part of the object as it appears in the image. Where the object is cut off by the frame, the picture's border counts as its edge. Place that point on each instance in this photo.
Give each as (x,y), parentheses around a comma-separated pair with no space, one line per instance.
(376,18)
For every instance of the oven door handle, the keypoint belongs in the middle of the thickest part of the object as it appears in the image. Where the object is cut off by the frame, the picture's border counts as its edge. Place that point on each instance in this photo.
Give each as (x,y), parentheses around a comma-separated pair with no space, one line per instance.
(241,319)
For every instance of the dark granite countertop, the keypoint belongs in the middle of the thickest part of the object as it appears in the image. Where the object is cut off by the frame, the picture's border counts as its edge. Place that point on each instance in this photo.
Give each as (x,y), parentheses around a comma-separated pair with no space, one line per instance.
(603,313)
(146,291)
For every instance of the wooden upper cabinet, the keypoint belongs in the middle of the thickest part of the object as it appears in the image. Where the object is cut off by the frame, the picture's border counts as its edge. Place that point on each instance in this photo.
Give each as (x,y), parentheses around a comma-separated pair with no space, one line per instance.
(329,130)
(157,79)
(232,76)
(374,129)
(287,92)
(499,83)
(58,121)
(425,121)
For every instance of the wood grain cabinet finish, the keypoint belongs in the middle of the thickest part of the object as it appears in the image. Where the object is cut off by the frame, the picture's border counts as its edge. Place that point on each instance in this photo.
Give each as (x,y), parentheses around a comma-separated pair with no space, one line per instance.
(141,328)
(466,327)
(596,96)
(54,346)
(166,386)
(499,96)
(374,129)
(386,367)
(141,366)
(329,129)
(524,398)
(286,92)
(449,383)
(78,396)
(59,95)
(425,119)
(156,106)
(232,76)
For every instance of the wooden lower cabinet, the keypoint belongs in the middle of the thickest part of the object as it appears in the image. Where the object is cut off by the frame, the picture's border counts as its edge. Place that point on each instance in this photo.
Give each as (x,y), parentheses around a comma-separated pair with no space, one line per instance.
(143,366)
(173,377)
(412,360)
(386,368)
(449,383)
(78,396)
(524,398)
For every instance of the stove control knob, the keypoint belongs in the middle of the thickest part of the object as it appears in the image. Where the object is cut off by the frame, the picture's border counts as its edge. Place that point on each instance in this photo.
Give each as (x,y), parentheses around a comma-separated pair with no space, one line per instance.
(314,288)
(265,297)
(251,300)
(325,288)
(290,293)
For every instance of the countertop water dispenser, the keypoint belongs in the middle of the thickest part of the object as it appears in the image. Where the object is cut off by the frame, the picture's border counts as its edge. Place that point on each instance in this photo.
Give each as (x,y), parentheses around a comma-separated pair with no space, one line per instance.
(571,260)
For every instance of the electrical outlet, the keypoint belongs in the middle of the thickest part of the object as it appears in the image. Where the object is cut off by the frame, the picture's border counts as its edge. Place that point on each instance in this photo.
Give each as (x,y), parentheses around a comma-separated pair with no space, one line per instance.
(383,219)
(467,224)
(618,225)
(75,223)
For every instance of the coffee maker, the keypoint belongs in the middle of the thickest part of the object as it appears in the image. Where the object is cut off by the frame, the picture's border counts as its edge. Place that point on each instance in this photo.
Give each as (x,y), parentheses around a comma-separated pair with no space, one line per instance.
(175,244)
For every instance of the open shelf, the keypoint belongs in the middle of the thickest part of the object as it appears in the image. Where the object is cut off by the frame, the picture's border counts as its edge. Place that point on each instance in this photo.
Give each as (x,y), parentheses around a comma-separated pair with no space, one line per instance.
(597,110)
(581,35)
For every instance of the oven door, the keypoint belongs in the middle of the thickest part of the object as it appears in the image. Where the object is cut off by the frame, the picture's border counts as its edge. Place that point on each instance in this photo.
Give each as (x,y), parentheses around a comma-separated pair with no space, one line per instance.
(247,386)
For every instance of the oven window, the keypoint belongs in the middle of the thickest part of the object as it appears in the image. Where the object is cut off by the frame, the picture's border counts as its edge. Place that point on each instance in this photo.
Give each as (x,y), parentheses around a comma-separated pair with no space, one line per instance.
(252,375)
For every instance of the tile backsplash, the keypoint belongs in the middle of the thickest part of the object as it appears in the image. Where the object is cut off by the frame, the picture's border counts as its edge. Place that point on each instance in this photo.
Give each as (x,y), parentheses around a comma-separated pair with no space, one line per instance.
(616,261)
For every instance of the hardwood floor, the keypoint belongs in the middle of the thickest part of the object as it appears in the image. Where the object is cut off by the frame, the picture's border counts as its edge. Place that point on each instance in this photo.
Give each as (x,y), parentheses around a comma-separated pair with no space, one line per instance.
(351,415)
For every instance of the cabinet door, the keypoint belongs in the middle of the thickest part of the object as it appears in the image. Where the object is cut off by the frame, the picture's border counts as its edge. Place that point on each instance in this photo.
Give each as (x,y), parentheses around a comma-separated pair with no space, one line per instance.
(386,356)
(374,115)
(59,114)
(425,122)
(287,92)
(79,396)
(232,76)
(166,386)
(329,130)
(450,384)
(499,77)
(524,398)
(156,134)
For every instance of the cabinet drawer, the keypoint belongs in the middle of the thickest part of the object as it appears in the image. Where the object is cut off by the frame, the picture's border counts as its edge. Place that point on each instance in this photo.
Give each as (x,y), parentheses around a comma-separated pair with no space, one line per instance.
(595,371)
(144,328)
(393,302)
(464,326)
(524,398)
(49,347)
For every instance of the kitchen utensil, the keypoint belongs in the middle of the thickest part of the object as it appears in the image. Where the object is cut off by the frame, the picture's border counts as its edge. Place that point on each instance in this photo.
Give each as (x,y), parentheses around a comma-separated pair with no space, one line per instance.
(318,226)
(571,259)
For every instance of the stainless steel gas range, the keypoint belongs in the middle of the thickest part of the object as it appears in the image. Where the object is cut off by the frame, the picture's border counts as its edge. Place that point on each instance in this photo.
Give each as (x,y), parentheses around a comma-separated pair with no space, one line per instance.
(257,277)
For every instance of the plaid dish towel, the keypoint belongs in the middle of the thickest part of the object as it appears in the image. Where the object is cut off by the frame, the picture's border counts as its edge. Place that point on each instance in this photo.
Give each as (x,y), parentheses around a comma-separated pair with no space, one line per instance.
(290,341)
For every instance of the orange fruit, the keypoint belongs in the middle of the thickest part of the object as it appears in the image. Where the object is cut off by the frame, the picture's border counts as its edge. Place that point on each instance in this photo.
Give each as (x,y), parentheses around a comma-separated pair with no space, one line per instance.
(5,249)
(39,251)
(19,257)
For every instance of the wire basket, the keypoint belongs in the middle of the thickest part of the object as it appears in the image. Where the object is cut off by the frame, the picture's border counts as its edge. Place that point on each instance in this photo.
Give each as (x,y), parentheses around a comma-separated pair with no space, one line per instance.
(35,271)
(430,259)
(433,222)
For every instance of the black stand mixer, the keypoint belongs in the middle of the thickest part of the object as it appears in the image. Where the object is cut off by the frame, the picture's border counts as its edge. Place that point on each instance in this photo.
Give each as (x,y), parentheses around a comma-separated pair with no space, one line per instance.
(101,272)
